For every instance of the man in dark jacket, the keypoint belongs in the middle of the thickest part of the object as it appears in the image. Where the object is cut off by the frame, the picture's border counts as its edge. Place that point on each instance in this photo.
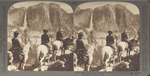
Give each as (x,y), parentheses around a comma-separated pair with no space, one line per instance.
(59,35)
(124,36)
(45,39)
(16,48)
(110,41)
(125,39)
(80,48)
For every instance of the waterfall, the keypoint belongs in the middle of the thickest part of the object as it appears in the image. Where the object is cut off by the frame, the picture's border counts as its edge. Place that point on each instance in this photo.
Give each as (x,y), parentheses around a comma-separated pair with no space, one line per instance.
(25,22)
(23,29)
(91,22)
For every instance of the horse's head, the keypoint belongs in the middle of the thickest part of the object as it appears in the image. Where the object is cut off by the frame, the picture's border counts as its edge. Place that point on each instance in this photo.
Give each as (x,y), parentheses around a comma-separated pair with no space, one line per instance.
(68,41)
(134,45)
(116,39)
(28,46)
(95,46)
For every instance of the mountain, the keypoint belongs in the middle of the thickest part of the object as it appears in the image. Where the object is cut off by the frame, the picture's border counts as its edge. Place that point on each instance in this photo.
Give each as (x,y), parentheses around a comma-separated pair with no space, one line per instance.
(41,16)
(16,16)
(82,17)
(52,16)
(108,17)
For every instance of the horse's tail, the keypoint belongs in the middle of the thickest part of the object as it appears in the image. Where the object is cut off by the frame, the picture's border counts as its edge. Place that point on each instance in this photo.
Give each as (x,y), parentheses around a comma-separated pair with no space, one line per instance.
(119,48)
(54,47)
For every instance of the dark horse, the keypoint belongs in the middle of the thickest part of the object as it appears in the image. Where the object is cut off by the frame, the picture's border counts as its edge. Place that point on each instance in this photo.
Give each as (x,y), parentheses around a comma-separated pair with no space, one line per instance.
(61,45)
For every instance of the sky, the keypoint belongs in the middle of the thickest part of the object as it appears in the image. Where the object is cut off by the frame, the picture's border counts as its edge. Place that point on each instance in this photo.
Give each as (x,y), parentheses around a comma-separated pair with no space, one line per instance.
(93,5)
(68,9)
(64,6)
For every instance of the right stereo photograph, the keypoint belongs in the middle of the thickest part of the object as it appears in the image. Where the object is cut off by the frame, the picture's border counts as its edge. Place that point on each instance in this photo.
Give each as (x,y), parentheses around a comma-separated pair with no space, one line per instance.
(106,37)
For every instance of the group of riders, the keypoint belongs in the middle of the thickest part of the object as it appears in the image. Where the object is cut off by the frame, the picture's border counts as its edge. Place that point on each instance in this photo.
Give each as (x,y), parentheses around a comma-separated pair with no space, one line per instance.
(17,49)
(80,50)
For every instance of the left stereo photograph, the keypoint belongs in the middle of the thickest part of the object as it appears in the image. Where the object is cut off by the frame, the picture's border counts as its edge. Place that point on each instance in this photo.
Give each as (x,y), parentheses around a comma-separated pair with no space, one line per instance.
(40,36)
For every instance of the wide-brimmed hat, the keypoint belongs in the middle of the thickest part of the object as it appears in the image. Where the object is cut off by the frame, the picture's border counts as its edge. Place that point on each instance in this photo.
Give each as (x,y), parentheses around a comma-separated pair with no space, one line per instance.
(60,29)
(45,30)
(16,33)
(124,30)
(110,32)
(80,34)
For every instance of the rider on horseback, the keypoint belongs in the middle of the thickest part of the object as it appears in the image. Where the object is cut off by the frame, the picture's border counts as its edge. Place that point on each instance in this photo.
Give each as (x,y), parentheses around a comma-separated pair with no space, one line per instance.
(110,41)
(59,35)
(80,49)
(124,38)
(16,48)
(45,39)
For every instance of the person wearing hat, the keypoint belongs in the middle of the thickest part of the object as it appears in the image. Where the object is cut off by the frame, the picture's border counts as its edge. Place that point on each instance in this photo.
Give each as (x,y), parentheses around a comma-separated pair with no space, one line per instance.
(80,48)
(45,39)
(110,41)
(59,35)
(16,47)
(124,36)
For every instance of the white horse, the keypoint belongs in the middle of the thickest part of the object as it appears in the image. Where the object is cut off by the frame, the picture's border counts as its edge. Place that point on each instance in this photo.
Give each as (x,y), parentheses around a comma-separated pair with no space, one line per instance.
(57,46)
(107,55)
(89,56)
(26,50)
(42,53)
(122,49)
(24,53)
(90,51)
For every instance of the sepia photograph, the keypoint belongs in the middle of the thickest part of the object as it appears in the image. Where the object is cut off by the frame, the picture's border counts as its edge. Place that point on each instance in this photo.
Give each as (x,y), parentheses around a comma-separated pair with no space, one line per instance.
(106,37)
(40,36)
(95,36)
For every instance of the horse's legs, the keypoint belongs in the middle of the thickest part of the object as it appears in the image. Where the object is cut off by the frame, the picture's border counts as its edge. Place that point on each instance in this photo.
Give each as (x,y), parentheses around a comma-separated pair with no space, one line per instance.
(41,61)
(88,67)
(25,60)
(128,54)
(119,56)
(20,65)
(23,66)
(113,59)
(54,56)
(102,59)
(107,61)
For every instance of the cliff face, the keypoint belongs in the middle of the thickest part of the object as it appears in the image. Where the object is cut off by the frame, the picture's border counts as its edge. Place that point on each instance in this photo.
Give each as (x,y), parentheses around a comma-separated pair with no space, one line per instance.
(52,16)
(41,16)
(16,16)
(108,17)
(82,17)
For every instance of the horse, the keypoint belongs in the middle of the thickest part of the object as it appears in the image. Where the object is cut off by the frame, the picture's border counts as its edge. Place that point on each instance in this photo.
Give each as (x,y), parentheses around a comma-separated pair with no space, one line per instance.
(23,56)
(42,53)
(124,48)
(88,56)
(108,52)
(90,50)
(26,50)
(107,55)
(10,66)
(59,45)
